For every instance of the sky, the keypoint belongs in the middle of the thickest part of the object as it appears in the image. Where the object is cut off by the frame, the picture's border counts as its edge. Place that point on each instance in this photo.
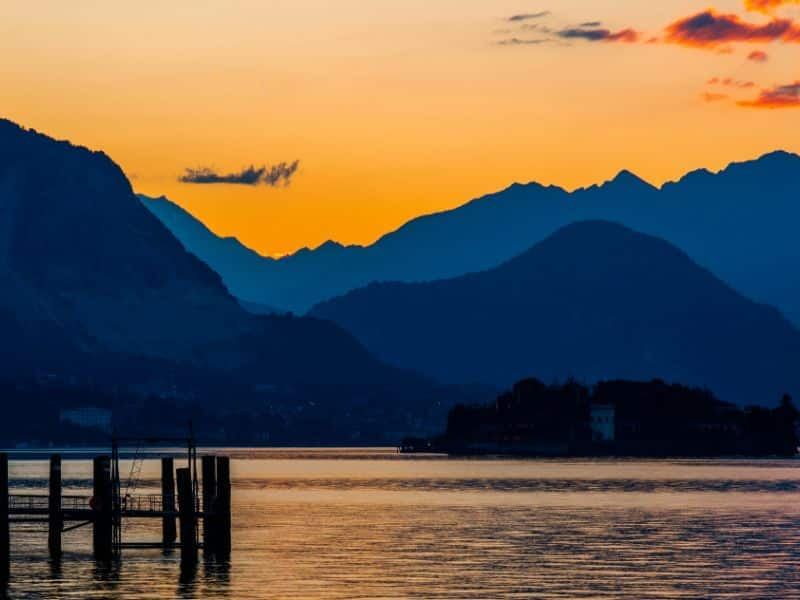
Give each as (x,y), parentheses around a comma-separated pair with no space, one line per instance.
(286,123)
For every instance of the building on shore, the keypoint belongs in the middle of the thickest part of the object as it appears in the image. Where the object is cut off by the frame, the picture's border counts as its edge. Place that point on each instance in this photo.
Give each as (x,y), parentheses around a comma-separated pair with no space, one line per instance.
(602,419)
(88,417)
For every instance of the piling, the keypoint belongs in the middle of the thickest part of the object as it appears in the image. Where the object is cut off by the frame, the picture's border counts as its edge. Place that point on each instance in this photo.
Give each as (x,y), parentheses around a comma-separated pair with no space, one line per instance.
(209,472)
(168,530)
(107,510)
(5,545)
(102,536)
(55,518)
(222,508)
(188,519)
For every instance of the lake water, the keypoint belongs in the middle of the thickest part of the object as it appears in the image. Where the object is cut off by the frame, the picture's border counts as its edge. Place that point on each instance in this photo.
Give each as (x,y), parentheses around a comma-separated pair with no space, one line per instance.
(374,524)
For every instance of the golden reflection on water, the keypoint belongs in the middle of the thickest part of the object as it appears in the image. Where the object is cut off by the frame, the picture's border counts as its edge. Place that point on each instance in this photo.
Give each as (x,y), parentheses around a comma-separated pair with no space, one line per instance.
(372,524)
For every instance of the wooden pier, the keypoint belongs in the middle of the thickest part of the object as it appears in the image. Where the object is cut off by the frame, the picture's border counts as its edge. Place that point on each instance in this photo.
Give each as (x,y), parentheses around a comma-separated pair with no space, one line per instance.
(182,501)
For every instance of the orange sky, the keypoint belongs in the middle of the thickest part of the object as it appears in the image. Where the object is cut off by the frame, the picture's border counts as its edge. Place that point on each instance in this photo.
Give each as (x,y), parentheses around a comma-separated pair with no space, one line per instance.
(394,108)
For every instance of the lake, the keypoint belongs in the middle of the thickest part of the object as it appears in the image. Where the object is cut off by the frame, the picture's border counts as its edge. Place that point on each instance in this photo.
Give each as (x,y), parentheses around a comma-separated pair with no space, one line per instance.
(375,524)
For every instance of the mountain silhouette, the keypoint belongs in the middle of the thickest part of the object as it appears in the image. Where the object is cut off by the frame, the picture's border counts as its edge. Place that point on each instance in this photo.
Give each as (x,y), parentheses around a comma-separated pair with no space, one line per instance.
(740,223)
(594,300)
(90,277)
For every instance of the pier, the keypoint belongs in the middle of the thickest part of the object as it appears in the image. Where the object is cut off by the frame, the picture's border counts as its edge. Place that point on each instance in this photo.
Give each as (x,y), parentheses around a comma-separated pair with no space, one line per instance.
(188,502)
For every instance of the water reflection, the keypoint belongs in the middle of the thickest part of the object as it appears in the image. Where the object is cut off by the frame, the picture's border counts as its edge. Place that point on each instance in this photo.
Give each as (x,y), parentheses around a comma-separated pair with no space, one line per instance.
(216,577)
(188,575)
(309,525)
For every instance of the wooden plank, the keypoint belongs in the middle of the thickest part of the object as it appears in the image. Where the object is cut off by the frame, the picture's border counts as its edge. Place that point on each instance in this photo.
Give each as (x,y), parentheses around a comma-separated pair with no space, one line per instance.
(168,529)
(188,519)
(55,517)
(222,509)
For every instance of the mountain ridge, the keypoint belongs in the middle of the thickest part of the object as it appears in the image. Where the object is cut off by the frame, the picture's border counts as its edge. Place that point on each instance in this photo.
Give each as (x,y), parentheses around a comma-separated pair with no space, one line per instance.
(748,247)
(90,276)
(593,300)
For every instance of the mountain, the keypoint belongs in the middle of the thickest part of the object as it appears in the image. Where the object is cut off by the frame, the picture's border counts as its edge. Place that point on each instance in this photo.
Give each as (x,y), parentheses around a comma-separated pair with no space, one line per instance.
(91,279)
(594,300)
(739,223)
(226,256)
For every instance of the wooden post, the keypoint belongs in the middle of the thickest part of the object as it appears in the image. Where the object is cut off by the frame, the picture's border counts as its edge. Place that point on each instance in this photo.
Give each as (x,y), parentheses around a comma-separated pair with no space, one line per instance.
(5,546)
(186,511)
(168,531)
(103,513)
(208,465)
(55,520)
(223,506)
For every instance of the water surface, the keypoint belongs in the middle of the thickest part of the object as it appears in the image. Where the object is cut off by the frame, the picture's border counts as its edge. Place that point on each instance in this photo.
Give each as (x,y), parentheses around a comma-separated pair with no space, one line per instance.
(373,524)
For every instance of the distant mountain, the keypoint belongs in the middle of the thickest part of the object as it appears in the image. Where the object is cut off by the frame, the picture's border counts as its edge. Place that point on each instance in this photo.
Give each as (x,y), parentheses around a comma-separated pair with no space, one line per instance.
(90,277)
(594,300)
(260,309)
(740,223)
(227,256)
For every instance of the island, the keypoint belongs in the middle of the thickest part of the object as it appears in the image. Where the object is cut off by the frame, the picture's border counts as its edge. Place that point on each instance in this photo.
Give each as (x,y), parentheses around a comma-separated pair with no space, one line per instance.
(614,418)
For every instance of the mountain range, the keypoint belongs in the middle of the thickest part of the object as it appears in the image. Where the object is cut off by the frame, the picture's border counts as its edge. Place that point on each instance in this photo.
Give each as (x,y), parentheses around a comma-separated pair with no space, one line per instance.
(104,285)
(91,278)
(740,223)
(591,301)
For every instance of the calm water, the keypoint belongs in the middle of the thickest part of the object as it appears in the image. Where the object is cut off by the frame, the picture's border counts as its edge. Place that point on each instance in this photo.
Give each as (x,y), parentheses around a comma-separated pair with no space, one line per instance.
(372,524)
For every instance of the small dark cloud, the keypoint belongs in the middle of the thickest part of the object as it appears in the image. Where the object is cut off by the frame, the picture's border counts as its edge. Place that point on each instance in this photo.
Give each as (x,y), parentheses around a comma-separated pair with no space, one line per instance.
(280,173)
(781,96)
(528,16)
(709,29)
(266,175)
(592,31)
(758,56)
(600,34)
(731,82)
(522,42)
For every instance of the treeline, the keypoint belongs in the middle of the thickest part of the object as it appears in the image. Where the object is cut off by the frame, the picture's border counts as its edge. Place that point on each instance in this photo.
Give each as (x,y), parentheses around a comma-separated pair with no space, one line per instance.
(648,418)
(282,415)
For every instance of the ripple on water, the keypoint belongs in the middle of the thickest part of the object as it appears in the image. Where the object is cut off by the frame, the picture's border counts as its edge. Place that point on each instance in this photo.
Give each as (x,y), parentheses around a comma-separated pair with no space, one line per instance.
(457,529)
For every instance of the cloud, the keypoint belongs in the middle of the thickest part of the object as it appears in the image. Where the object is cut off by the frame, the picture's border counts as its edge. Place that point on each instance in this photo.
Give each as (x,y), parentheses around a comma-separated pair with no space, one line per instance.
(628,36)
(730,82)
(709,29)
(592,31)
(781,96)
(758,56)
(282,172)
(272,176)
(767,6)
(544,29)
(522,42)
(528,16)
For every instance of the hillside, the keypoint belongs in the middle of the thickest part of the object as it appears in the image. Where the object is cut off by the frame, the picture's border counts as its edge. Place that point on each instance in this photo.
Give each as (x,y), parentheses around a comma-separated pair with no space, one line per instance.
(594,300)
(90,276)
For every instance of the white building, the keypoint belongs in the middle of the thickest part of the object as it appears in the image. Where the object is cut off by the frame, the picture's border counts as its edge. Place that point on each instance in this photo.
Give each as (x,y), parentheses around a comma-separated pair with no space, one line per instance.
(602,422)
(90,417)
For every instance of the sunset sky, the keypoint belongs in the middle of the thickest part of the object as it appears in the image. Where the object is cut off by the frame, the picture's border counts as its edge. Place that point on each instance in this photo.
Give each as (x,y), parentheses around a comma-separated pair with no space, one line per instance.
(398,108)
